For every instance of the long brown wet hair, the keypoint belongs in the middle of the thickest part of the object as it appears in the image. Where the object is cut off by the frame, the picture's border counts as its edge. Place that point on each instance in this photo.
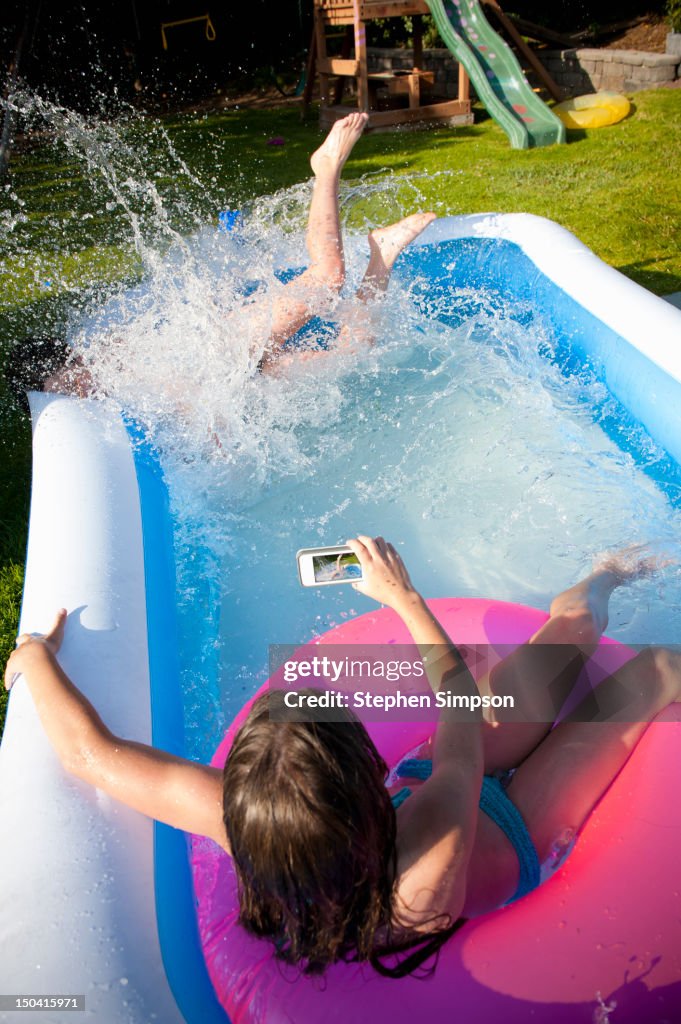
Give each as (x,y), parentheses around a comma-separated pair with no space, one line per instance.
(313,835)
(30,363)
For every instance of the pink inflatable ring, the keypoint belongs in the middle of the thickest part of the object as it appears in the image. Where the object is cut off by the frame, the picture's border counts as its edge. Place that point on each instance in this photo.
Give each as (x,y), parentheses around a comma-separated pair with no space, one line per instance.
(604,929)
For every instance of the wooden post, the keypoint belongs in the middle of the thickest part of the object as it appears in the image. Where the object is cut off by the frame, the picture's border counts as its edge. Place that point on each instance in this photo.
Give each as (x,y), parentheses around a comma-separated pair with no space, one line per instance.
(414,90)
(320,34)
(555,91)
(361,58)
(345,54)
(464,84)
(417,41)
(310,72)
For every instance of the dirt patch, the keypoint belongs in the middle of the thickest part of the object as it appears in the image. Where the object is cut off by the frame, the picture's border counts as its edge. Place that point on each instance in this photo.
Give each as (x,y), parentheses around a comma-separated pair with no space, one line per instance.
(649,35)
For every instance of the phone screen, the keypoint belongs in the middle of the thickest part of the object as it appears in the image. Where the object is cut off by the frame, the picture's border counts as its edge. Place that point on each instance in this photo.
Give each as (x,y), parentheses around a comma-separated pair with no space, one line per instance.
(336,568)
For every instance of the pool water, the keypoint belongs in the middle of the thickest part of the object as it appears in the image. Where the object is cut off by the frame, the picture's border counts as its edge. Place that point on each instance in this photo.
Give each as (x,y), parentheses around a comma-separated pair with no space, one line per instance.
(463,433)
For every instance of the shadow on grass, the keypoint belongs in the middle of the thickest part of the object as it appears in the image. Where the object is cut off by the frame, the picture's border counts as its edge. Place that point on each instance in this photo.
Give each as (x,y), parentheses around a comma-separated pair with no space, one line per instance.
(573,135)
(654,280)
(43,316)
(15,444)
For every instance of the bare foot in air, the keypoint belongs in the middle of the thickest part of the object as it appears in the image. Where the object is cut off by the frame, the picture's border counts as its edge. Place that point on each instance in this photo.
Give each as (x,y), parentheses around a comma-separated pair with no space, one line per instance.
(610,571)
(389,242)
(634,562)
(338,145)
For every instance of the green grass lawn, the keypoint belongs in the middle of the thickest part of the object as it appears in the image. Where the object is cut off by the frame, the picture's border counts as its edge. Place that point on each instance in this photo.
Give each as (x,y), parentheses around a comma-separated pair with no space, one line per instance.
(615,188)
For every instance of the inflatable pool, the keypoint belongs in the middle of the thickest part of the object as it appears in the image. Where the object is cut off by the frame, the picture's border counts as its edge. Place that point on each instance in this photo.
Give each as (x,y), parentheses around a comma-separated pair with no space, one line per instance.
(98,902)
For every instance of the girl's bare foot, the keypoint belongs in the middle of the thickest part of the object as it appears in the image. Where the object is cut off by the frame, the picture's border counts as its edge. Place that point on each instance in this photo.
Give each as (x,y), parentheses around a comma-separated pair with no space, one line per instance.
(338,145)
(634,562)
(385,245)
(388,242)
(593,593)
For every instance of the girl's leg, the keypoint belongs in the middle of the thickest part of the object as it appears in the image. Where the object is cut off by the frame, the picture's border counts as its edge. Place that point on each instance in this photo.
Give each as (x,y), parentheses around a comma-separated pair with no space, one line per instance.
(309,293)
(385,245)
(541,674)
(557,786)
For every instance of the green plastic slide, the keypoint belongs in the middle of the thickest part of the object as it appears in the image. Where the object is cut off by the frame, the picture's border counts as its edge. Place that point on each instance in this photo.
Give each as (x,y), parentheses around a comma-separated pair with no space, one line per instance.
(496,75)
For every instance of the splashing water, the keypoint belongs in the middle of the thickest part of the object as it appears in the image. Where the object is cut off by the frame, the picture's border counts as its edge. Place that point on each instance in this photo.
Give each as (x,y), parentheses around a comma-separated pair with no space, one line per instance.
(467,442)
(179,352)
(601,1014)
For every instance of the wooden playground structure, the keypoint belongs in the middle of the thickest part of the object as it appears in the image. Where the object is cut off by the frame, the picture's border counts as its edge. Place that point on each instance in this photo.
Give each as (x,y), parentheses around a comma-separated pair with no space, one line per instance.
(383,89)
(334,71)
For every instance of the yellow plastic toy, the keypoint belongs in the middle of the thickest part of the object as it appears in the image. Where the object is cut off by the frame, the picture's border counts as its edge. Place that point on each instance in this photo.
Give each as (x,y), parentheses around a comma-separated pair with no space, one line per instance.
(594,111)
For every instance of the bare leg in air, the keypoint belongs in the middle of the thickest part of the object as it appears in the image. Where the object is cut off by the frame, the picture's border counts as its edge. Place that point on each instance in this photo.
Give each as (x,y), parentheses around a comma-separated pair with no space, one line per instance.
(314,292)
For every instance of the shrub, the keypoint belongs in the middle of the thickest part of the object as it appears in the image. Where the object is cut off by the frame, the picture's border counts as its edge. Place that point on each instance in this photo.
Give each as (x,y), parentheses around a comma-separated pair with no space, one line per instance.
(674,15)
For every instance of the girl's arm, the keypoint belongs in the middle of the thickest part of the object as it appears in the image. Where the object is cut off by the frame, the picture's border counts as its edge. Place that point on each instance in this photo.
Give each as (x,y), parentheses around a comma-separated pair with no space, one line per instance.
(440,825)
(385,578)
(170,789)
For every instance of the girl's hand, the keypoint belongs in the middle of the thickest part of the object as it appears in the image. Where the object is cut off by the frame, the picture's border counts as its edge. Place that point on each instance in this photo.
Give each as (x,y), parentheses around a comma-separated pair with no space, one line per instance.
(384,574)
(26,646)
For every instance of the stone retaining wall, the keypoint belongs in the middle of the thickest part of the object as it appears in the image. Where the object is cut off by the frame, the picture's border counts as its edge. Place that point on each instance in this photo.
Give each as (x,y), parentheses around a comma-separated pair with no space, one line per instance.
(575,71)
(584,71)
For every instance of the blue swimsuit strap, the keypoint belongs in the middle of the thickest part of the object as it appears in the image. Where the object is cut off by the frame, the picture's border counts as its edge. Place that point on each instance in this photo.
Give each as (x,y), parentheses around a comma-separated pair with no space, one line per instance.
(414,768)
(398,798)
(498,806)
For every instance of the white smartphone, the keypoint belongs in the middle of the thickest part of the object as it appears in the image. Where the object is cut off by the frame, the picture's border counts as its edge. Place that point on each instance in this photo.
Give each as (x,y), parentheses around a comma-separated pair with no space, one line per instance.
(320,567)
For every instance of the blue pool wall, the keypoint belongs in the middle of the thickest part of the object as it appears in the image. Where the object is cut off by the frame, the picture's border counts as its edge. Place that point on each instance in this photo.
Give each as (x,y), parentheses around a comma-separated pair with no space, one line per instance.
(500,266)
(174,890)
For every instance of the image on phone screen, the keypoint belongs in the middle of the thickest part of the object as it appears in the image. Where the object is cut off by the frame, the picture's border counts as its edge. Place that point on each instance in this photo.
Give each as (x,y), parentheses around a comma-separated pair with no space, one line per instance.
(336,568)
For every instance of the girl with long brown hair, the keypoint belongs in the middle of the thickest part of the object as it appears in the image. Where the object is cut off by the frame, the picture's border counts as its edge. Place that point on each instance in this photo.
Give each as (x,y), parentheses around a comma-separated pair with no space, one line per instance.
(332,864)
